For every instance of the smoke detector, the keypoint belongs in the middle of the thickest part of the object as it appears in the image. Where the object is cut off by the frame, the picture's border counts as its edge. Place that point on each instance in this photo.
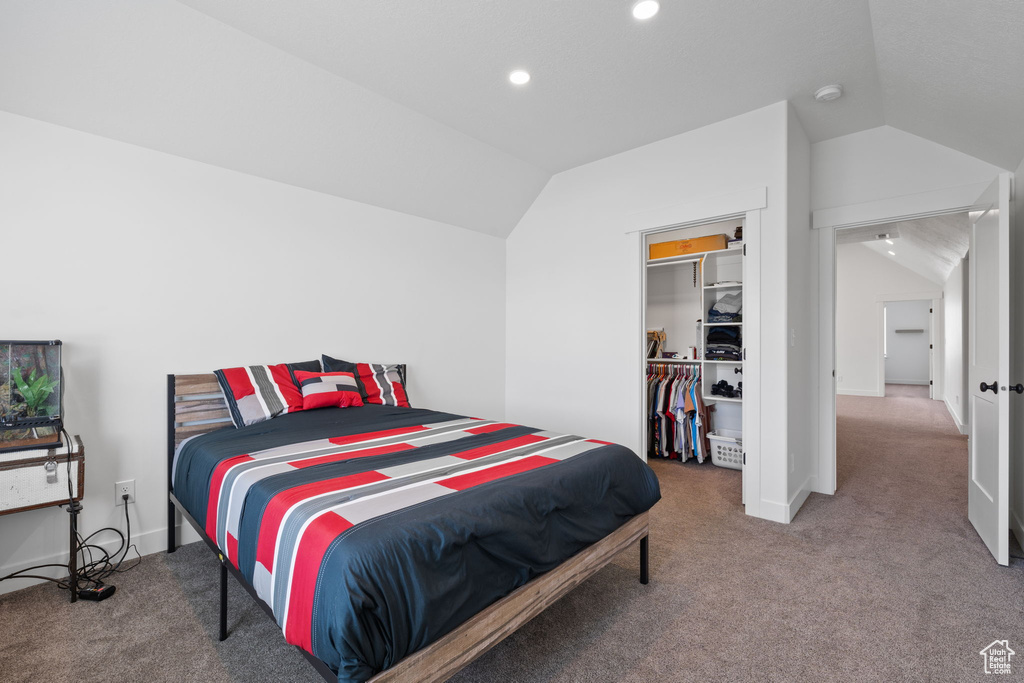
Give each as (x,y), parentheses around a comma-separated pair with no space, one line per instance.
(828,93)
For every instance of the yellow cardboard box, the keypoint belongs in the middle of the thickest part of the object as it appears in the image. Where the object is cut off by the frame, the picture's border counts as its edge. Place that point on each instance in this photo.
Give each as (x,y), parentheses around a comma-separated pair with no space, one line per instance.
(690,246)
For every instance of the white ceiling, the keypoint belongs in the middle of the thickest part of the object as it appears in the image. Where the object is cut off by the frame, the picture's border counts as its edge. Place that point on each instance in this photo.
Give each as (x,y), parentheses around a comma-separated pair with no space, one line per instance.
(602,82)
(930,247)
(407,104)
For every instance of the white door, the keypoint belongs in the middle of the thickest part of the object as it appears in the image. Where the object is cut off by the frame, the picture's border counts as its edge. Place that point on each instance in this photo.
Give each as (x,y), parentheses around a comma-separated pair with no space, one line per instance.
(988,496)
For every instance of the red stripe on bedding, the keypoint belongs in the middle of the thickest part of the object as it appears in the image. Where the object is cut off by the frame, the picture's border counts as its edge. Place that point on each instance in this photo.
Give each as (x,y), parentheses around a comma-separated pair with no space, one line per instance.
(480,452)
(401,398)
(355,438)
(216,480)
(348,455)
(465,481)
(291,393)
(308,557)
(238,380)
(604,443)
(491,428)
(274,513)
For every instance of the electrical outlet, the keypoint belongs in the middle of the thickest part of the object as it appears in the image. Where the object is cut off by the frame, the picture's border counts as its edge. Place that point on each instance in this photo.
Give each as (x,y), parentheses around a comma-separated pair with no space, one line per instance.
(792,463)
(123,487)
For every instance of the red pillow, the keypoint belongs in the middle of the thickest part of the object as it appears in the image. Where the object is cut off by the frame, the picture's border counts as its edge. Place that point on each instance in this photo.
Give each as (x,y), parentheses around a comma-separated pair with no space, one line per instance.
(328,389)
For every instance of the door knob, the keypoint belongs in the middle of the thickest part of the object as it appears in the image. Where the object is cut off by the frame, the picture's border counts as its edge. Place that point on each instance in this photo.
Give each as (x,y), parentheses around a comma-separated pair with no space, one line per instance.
(994,388)
(1019,388)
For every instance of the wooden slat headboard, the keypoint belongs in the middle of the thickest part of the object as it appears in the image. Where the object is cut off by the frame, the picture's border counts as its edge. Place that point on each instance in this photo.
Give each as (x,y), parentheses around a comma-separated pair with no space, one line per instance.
(195,406)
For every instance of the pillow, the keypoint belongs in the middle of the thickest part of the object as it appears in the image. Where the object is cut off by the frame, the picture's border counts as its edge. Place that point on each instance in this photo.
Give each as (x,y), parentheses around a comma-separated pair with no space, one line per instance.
(255,393)
(326,389)
(382,384)
(335,365)
(378,384)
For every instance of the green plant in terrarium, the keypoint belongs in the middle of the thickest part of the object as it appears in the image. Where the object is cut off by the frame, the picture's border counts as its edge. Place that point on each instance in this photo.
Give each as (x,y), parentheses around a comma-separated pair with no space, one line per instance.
(35,391)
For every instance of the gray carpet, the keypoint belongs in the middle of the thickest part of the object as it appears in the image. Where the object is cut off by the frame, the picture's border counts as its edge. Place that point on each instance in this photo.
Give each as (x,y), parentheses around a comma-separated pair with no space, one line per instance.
(886,581)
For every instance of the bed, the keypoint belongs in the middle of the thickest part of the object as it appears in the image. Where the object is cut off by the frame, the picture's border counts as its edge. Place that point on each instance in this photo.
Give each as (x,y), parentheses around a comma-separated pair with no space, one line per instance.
(398,544)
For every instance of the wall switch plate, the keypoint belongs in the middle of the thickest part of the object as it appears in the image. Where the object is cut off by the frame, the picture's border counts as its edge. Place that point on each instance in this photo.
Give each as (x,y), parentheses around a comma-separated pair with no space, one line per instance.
(792,463)
(123,487)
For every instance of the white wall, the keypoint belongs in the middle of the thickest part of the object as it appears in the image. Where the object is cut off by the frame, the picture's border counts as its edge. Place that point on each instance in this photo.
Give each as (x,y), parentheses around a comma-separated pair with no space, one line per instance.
(674,304)
(146,264)
(954,295)
(865,278)
(886,162)
(574,281)
(802,292)
(906,353)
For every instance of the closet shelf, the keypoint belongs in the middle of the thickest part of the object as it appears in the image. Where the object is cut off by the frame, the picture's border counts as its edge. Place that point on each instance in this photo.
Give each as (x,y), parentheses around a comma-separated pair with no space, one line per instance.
(725,362)
(674,360)
(723,324)
(723,399)
(691,258)
(733,285)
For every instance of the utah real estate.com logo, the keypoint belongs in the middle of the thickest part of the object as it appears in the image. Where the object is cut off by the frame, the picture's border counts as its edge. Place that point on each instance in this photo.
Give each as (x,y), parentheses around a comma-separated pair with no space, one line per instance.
(997,657)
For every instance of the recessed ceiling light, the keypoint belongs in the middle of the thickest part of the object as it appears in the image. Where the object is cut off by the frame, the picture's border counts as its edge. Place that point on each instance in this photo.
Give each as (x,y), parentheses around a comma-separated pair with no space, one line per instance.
(519,77)
(645,9)
(829,93)
(892,253)
(889,242)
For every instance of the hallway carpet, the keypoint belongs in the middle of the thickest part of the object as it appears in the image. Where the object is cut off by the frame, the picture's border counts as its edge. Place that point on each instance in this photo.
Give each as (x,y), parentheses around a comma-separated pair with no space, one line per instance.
(885,581)
(906,391)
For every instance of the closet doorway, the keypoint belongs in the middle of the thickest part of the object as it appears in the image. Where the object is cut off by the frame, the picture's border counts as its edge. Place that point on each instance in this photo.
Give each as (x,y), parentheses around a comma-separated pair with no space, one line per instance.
(700,398)
(909,344)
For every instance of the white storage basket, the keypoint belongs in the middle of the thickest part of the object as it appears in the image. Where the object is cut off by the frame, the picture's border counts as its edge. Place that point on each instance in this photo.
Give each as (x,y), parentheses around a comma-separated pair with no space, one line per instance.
(727,448)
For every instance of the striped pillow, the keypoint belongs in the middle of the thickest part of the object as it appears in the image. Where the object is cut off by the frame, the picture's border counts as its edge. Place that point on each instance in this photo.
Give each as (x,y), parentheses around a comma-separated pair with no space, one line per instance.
(255,393)
(368,384)
(382,385)
(327,389)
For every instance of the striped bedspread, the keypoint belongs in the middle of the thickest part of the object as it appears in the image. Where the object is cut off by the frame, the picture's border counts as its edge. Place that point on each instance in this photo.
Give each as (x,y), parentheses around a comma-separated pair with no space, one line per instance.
(373,531)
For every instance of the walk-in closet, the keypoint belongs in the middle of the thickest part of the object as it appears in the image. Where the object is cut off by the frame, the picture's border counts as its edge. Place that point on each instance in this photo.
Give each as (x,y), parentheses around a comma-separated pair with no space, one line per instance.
(693,323)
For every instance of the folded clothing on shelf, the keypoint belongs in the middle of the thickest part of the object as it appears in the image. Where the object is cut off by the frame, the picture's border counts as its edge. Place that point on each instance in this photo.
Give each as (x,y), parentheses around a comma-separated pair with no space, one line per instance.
(728,309)
(724,343)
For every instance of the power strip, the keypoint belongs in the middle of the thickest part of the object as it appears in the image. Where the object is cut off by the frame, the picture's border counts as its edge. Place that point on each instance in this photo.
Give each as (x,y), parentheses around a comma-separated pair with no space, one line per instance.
(96,594)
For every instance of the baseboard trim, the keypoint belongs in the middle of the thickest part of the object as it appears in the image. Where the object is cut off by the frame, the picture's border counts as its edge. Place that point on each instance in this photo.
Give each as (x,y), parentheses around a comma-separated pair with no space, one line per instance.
(859,392)
(961,427)
(798,498)
(917,382)
(774,512)
(784,512)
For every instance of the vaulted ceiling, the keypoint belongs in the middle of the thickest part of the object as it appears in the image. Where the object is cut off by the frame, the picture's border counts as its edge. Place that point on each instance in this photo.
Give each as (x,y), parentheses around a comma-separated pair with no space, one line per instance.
(930,247)
(407,105)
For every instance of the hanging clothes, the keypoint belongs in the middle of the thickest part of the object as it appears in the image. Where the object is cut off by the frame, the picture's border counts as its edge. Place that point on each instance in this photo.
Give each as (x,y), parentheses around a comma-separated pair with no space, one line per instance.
(677,416)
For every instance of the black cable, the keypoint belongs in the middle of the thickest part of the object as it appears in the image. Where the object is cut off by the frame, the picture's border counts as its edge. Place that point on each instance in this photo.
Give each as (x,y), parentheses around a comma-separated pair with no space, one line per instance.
(98,567)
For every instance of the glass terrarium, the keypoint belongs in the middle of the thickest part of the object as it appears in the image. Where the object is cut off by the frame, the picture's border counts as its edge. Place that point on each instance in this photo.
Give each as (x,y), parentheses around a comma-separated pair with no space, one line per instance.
(30,394)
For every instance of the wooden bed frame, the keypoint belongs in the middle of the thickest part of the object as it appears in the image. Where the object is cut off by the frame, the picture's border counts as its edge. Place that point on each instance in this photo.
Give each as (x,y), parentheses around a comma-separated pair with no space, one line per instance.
(195,406)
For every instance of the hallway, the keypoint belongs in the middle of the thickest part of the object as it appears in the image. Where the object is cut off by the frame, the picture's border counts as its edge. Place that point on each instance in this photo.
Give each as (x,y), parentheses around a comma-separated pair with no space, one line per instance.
(903,442)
